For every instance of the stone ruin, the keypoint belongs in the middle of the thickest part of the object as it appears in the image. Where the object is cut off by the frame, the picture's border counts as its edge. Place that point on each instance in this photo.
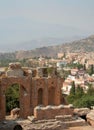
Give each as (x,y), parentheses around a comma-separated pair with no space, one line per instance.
(40,94)
(35,89)
(14,66)
(50,112)
(15,69)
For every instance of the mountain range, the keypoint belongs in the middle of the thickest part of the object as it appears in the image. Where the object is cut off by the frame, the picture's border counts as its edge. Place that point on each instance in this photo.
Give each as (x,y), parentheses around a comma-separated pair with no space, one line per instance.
(82,45)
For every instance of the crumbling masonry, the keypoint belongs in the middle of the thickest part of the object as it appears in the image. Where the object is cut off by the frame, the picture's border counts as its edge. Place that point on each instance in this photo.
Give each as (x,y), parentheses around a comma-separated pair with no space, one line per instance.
(36,88)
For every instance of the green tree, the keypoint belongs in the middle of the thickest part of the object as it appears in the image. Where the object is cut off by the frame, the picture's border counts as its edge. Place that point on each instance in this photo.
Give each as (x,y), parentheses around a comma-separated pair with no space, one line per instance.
(84,67)
(75,65)
(79,92)
(85,101)
(12,97)
(91,70)
(72,91)
(90,90)
(71,97)
(81,99)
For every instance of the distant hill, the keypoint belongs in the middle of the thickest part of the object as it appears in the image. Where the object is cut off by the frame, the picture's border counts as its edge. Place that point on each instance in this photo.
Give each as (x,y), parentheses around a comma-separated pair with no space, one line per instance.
(86,45)
(83,45)
(7,56)
(36,43)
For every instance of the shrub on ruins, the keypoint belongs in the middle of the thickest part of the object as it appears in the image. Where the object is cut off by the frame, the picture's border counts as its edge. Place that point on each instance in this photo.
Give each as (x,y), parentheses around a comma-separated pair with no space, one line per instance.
(50,71)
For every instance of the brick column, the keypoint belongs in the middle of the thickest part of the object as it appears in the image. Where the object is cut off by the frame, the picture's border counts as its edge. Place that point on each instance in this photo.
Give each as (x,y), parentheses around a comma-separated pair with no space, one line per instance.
(25,99)
(2,103)
(45,92)
(57,92)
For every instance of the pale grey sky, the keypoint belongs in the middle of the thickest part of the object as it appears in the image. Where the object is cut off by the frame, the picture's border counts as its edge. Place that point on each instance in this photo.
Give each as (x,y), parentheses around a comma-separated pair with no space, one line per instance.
(25,20)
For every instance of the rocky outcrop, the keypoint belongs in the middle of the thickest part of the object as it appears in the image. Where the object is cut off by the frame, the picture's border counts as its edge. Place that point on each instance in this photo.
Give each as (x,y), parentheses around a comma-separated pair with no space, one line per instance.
(90,117)
(15,112)
(81,111)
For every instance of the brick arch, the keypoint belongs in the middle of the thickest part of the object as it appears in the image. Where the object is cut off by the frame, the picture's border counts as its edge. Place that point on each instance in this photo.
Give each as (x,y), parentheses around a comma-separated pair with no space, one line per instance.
(24,84)
(40,96)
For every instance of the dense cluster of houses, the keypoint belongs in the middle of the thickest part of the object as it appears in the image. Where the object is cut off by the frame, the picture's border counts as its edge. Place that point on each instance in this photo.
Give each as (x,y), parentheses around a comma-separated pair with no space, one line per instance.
(79,77)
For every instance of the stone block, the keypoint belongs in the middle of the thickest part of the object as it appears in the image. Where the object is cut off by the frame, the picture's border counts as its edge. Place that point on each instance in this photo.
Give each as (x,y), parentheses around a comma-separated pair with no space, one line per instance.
(17,73)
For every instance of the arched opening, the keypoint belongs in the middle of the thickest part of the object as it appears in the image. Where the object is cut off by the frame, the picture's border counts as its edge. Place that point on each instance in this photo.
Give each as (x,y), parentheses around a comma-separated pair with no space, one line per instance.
(84,117)
(45,73)
(12,98)
(51,96)
(18,127)
(40,96)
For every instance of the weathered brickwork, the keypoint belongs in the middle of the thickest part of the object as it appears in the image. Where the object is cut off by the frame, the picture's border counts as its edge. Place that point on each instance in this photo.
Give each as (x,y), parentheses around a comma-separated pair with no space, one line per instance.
(46,91)
(34,91)
(24,99)
(50,112)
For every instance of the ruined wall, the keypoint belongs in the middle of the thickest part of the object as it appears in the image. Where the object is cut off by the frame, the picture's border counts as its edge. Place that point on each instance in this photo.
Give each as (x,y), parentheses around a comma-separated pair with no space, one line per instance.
(49,112)
(15,69)
(34,91)
(25,95)
(51,91)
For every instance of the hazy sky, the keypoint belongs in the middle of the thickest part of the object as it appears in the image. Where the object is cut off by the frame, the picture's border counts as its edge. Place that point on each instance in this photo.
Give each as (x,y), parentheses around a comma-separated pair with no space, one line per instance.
(24,20)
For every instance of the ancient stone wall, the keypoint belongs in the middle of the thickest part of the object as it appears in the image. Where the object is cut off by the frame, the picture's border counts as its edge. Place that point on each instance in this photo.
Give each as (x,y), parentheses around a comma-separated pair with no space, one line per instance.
(50,91)
(25,94)
(49,112)
(15,69)
(34,91)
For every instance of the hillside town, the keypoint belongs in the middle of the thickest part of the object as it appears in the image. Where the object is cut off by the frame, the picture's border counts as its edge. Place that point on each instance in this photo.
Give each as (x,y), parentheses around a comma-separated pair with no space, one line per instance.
(68,79)
(77,67)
